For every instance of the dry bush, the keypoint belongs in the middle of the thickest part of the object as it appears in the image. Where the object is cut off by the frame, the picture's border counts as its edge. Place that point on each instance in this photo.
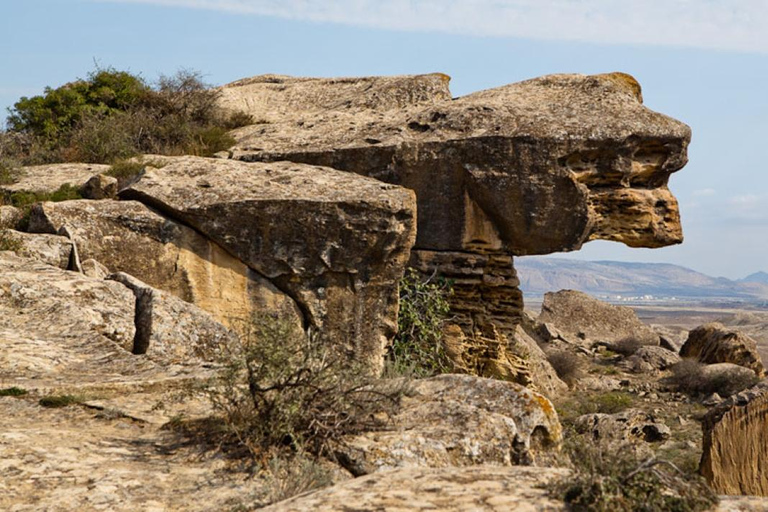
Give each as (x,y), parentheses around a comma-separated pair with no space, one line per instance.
(283,389)
(567,365)
(617,479)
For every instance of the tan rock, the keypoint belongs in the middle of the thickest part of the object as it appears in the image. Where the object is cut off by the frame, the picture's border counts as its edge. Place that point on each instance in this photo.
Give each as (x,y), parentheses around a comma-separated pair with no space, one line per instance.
(99,186)
(9,216)
(479,488)
(461,420)
(588,320)
(44,179)
(93,268)
(630,424)
(735,452)
(715,343)
(50,249)
(171,330)
(127,236)
(335,242)
(656,358)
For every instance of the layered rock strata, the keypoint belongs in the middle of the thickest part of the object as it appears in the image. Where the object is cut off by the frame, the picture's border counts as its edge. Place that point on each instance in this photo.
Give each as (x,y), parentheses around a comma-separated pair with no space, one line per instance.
(735,452)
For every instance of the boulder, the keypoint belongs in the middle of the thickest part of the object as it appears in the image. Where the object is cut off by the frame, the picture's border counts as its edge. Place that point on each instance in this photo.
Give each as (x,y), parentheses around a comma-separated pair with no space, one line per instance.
(46,179)
(653,358)
(714,343)
(478,488)
(589,320)
(99,186)
(51,249)
(728,377)
(630,424)
(127,236)
(10,216)
(335,242)
(735,453)
(461,420)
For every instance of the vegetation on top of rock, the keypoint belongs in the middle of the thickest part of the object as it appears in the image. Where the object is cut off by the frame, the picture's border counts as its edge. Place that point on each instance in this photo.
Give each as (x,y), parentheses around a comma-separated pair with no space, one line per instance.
(417,348)
(617,479)
(56,401)
(112,115)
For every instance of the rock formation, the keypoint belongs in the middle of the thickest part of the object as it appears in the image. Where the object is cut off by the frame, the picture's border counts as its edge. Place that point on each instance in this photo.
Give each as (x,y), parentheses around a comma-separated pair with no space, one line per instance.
(714,343)
(461,420)
(529,168)
(735,452)
(630,424)
(586,320)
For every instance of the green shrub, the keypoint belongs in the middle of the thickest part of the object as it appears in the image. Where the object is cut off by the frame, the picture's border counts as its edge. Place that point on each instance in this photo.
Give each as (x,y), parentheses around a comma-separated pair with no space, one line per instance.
(13,391)
(578,404)
(424,308)
(616,479)
(25,199)
(56,401)
(113,115)
(281,388)
(8,242)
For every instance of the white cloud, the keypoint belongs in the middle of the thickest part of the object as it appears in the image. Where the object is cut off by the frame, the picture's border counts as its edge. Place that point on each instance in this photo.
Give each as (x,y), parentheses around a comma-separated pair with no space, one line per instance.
(715,24)
(704,192)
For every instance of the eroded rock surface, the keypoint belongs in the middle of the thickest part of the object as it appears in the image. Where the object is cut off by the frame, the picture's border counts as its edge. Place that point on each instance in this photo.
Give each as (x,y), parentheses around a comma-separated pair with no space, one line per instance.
(735,452)
(714,343)
(335,242)
(461,420)
(630,424)
(51,249)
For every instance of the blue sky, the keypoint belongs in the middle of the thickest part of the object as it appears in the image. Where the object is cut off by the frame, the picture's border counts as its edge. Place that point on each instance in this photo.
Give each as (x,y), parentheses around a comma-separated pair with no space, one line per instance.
(704,62)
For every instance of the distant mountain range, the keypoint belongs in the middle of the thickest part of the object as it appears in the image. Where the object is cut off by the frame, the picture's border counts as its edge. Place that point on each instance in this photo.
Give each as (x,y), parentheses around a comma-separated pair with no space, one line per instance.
(614,278)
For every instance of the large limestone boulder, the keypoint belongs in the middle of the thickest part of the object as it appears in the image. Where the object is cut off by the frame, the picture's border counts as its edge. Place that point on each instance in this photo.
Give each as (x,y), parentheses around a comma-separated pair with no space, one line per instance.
(531,168)
(335,242)
(587,320)
(478,488)
(735,452)
(461,420)
(714,343)
(127,236)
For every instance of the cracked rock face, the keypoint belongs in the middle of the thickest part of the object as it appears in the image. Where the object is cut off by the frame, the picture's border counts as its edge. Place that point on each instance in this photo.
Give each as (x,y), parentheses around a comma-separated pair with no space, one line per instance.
(336,243)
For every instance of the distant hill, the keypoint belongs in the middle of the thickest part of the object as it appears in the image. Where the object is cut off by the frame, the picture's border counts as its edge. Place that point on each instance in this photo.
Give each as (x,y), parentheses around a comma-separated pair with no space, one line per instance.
(757,277)
(605,278)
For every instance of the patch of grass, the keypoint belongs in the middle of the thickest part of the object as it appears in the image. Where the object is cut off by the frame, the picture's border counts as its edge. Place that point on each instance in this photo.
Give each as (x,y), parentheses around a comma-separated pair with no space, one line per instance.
(417,348)
(24,199)
(617,479)
(291,476)
(13,391)
(56,401)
